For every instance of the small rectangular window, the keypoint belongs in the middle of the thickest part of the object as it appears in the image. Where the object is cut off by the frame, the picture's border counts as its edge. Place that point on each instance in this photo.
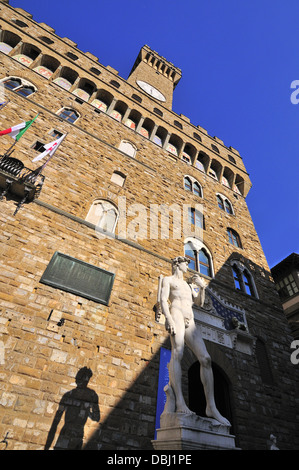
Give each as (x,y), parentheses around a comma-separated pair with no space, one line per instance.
(39,146)
(55,134)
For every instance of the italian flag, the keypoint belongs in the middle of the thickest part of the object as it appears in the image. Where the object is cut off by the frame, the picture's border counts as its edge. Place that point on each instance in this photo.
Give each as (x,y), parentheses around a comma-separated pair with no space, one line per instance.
(17,131)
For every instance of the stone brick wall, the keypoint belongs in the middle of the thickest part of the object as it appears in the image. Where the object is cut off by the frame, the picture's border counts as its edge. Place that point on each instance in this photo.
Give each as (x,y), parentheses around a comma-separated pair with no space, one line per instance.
(119,343)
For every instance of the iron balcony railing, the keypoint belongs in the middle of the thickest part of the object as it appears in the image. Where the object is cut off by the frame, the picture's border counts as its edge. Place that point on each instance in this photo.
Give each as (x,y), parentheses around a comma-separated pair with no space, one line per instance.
(22,182)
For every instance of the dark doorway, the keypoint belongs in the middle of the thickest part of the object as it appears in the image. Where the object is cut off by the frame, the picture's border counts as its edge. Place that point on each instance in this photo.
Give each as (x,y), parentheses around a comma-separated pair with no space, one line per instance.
(197,401)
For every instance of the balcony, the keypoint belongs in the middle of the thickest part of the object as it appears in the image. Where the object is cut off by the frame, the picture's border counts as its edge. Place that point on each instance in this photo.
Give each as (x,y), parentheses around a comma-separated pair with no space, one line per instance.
(20,182)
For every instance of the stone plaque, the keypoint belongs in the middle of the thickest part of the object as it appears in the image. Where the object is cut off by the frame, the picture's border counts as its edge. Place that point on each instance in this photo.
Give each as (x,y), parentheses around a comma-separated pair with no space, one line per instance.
(80,278)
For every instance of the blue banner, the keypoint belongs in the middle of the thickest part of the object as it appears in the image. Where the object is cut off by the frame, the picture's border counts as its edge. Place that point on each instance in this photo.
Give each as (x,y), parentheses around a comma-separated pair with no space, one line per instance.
(165,355)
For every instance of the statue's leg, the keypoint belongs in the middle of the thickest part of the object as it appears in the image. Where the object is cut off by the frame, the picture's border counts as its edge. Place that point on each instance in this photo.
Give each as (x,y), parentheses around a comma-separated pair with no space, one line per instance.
(175,370)
(196,344)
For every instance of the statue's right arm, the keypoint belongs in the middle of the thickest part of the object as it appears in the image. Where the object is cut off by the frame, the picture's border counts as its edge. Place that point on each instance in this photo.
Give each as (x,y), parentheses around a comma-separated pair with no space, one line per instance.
(165,291)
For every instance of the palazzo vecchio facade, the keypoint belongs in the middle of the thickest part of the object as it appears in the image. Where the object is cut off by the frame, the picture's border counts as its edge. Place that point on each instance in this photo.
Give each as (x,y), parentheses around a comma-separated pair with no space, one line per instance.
(81,336)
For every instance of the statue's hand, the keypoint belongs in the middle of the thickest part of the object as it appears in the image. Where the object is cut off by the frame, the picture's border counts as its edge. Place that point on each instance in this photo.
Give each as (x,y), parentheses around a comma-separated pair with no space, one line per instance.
(198,281)
(170,326)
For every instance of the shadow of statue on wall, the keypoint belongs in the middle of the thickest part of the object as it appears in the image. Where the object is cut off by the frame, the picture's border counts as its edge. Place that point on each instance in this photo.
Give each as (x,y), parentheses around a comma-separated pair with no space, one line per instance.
(77,405)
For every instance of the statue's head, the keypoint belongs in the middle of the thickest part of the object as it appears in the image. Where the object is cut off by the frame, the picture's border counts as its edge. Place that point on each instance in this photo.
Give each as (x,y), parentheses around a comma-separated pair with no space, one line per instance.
(83,376)
(180,262)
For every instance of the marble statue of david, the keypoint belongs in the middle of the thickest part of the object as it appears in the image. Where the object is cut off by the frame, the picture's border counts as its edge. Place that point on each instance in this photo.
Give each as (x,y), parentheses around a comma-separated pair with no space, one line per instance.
(181,326)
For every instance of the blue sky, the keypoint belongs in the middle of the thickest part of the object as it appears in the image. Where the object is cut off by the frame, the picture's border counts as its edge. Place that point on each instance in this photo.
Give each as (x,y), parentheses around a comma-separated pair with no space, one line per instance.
(238,60)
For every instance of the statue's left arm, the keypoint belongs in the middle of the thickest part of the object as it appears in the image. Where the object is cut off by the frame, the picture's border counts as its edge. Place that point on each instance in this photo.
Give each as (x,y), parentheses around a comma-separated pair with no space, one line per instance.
(198,297)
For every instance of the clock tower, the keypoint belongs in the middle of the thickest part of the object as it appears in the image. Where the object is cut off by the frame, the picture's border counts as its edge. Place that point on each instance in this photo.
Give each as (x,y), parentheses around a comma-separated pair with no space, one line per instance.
(155,76)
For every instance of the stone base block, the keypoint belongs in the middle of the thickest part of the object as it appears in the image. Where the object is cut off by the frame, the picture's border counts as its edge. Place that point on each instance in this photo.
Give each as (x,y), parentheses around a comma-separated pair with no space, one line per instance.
(180,431)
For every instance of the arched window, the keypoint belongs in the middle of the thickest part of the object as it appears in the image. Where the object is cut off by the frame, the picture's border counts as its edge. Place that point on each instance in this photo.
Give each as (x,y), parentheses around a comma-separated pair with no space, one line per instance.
(103,100)
(224,203)
(85,89)
(190,253)
(47,66)
(115,83)
(46,40)
(28,55)
(72,56)
(19,85)
(197,136)
(234,238)
(178,124)
(128,148)
(202,162)
(172,148)
(118,178)
(174,145)
(204,262)
(25,91)
(147,128)
(186,158)
(215,148)
(215,170)
(228,178)
(190,184)
(158,111)
(187,183)
(239,185)
(197,189)
(220,202)
(66,78)
(95,71)
(8,41)
(12,83)
(19,23)
(68,114)
(199,256)
(160,136)
(137,98)
(133,119)
(189,153)
(104,215)
(243,279)
(118,111)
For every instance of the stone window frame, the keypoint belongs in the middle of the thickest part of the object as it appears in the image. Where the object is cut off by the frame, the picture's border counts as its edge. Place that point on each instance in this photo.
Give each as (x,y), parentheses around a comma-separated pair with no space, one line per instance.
(197,246)
(118,178)
(23,84)
(224,201)
(69,108)
(239,272)
(125,143)
(193,181)
(107,206)
(234,238)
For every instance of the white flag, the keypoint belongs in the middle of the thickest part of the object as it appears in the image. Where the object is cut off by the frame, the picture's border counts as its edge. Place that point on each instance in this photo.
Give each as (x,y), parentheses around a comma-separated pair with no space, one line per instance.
(50,148)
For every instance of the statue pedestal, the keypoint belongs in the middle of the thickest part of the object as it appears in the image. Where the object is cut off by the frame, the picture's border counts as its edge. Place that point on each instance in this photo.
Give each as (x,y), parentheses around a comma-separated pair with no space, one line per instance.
(180,431)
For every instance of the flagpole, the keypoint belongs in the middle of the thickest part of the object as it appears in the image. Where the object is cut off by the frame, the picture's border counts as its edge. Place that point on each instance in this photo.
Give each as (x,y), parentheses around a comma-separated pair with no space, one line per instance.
(10,149)
(3,104)
(40,169)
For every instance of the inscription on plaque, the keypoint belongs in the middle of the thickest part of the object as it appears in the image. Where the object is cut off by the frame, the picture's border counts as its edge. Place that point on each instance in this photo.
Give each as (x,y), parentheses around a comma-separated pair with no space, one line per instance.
(80,278)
